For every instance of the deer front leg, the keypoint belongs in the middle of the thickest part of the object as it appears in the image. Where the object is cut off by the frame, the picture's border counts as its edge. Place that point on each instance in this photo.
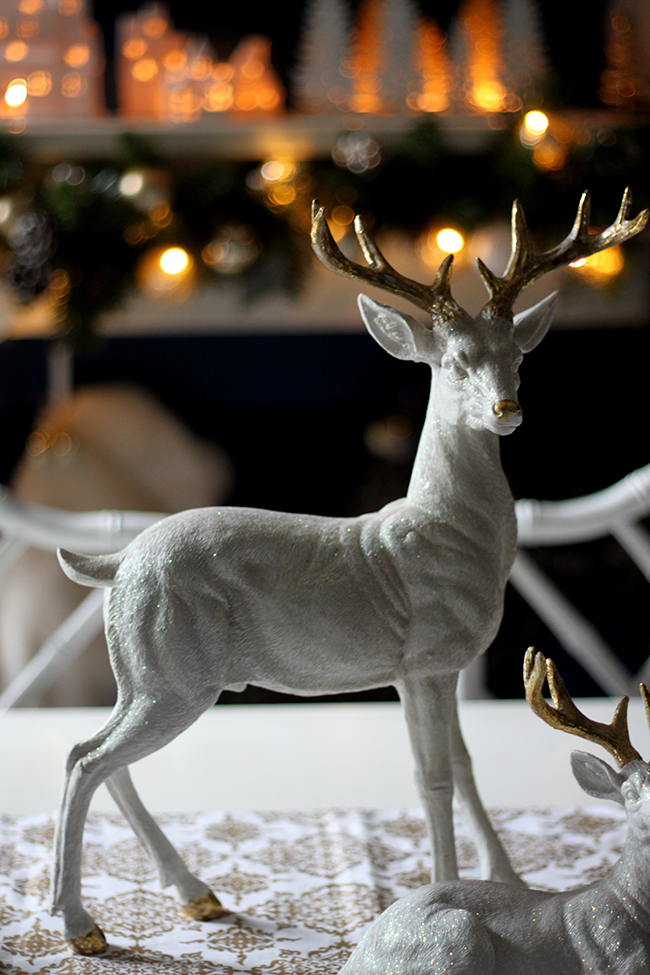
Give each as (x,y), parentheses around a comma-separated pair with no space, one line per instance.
(429,704)
(493,859)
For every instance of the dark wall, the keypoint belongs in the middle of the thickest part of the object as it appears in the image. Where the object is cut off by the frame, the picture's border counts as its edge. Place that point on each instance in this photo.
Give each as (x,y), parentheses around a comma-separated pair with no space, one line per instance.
(292,412)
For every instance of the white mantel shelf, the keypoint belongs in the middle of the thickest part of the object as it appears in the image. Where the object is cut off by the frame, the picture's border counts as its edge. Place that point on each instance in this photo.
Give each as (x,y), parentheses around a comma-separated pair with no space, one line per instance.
(235,137)
(231,136)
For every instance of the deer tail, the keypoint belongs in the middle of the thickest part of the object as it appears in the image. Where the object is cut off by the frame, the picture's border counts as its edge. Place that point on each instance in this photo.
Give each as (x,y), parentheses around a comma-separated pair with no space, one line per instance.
(90,570)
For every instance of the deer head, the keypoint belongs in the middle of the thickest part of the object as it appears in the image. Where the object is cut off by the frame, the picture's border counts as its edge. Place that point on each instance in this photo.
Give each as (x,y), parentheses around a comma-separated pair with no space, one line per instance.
(630,787)
(479,357)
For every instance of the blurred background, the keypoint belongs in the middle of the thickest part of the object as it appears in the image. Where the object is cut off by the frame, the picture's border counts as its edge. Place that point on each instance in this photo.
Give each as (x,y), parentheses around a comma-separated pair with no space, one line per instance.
(170,341)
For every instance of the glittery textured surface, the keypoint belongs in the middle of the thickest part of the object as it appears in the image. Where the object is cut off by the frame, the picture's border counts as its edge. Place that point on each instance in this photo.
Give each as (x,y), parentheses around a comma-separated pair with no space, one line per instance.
(220,598)
(480,928)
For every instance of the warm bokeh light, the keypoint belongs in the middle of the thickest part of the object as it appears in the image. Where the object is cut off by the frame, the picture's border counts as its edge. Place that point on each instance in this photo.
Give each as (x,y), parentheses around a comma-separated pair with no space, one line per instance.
(535,123)
(273,170)
(68,8)
(436,243)
(166,273)
(481,32)
(27,28)
(343,215)
(450,241)
(488,95)
(432,94)
(145,69)
(601,268)
(550,156)
(16,51)
(160,215)
(39,84)
(232,250)
(364,64)
(219,97)
(282,195)
(390,438)
(73,85)
(77,55)
(155,26)
(175,61)
(16,93)
(222,71)
(174,260)
(184,104)
(134,48)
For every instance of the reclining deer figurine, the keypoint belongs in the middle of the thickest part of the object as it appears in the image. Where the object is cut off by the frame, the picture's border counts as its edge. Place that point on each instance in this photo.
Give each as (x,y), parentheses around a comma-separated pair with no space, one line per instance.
(476,927)
(219,598)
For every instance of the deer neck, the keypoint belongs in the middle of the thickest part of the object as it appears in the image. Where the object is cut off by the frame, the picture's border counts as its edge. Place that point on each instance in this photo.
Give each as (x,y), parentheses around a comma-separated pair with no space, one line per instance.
(630,878)
(455,464)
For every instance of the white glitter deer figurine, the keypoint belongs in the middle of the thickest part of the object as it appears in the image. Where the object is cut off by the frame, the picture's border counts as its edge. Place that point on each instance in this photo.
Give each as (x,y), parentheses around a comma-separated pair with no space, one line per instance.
(219,598)
(475,927)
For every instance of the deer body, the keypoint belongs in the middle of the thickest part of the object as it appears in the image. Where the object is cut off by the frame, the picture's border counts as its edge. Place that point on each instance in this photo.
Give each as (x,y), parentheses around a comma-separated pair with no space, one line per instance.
(316,605)
(409,595)
(480,928)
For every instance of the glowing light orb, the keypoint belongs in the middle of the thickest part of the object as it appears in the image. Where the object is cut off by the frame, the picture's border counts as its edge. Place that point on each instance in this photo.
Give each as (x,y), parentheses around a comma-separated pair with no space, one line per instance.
(450,241)
(16,93)
(536,123)
(174,260)
(131,183)
(272,170)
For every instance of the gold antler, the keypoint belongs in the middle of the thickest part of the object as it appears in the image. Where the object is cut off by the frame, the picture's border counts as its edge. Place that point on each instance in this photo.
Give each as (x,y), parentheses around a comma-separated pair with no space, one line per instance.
(565,715)
(525,266)
(435,299)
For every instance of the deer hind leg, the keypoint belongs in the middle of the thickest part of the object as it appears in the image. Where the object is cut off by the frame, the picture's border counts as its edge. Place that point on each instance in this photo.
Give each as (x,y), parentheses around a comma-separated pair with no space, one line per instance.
(428,706)
(493,859)
(199,901)
(130,733)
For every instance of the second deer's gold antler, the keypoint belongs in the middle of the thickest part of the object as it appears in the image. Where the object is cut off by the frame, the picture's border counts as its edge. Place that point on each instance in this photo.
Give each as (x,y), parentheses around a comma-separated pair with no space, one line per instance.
(565,715)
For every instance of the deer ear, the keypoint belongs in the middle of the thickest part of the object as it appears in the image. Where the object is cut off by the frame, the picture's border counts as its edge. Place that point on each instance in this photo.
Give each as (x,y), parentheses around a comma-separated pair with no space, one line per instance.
(532,324)
(398,333)
(596,777)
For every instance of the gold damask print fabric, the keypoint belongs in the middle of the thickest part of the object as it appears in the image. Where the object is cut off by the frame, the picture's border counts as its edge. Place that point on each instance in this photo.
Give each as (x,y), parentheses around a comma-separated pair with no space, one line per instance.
(301,886)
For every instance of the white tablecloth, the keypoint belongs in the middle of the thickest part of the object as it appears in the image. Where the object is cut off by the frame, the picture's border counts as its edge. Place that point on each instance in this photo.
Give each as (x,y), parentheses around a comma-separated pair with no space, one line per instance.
(302,886)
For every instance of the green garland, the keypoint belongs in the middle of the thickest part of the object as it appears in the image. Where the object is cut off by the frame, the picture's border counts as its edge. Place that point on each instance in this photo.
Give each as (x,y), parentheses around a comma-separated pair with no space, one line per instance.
(73,232)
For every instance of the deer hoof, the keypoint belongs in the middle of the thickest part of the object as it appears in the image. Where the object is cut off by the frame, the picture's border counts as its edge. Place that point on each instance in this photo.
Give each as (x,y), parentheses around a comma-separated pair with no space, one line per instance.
(91,943)
(205,907)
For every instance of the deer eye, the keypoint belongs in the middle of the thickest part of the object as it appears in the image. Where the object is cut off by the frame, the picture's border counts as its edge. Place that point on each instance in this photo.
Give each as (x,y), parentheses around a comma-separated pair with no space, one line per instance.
(630,792)
(456,371)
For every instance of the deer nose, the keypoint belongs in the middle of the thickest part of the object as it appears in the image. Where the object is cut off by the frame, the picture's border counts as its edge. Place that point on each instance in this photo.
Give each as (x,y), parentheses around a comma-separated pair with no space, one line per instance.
(504,408)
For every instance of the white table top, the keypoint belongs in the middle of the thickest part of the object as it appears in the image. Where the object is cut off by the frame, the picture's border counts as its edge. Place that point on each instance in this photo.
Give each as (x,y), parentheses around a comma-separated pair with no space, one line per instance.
(304,756)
